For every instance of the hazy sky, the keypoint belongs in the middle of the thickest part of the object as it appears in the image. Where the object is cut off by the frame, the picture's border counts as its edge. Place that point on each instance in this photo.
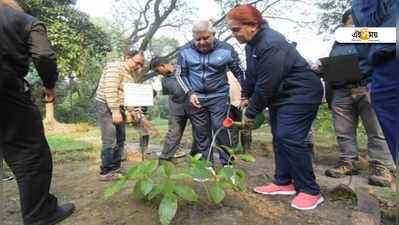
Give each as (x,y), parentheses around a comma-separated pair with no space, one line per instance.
(309,45)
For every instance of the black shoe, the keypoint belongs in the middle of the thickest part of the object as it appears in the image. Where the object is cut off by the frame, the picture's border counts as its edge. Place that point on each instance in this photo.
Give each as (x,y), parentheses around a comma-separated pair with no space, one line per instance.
(62,213)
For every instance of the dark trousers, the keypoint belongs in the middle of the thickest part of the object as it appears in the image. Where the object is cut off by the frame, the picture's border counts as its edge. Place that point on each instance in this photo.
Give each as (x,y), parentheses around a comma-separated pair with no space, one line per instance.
(177,124)
(113,138)
(26,151)
(238,133)
(207,120)
(385,100)
(292,159)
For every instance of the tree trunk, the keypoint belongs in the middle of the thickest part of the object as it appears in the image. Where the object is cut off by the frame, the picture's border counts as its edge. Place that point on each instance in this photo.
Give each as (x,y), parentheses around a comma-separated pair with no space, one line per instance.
(49,113)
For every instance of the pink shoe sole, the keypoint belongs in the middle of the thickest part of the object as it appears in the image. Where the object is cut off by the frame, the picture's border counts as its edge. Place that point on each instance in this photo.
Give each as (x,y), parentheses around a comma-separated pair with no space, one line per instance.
(321,199)
(276,192)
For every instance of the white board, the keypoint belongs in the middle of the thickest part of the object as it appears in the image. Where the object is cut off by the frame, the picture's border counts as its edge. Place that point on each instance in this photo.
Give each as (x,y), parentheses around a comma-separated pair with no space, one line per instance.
(138,94)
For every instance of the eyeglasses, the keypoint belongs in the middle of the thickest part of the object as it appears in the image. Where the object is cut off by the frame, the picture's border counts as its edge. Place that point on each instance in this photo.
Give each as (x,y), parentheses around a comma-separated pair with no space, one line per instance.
(138,63)
(202,38)
(235,29)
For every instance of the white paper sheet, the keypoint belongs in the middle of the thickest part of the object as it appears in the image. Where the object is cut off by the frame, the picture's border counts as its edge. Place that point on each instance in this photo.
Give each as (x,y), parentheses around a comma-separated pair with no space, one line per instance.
(138,94)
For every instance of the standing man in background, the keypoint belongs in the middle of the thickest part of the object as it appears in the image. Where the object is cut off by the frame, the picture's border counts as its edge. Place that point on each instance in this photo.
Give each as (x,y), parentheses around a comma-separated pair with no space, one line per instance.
(109,107)
(349,101)
(178,115)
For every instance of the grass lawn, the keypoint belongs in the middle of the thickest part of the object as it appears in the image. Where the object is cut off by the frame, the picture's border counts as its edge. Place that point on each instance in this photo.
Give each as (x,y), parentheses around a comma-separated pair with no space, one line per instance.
(69,146)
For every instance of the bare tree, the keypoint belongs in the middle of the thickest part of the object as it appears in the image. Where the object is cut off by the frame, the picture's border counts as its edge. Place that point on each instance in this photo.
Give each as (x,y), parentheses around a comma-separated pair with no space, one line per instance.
(142,19)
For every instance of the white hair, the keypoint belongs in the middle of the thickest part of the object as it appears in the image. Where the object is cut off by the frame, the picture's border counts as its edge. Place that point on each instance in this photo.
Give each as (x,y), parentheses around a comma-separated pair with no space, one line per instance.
(203,26)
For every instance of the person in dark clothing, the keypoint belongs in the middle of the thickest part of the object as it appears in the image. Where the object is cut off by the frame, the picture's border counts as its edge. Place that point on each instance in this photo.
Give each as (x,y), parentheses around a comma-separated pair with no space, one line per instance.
(382,58)
(22,142)
(235,113)
(349,101)
(178,115)
(279,78)
(201,71)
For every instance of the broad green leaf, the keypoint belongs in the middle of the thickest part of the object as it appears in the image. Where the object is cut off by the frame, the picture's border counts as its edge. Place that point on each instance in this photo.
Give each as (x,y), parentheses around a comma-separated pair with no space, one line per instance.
(161,171)
(180,176)
(185,164)
(200,173)
(136,189)
(226,173)
(240,176)
(229,149)
(132,171)
(151,166)
(201,164)
(169,168)
(168,187)
(246,157)
(120,176)
(226,184)
(135,172)
(197,157)
(114,187)
(224,148)
(146,185)
(167,209)
(155,191)
(186,192)
(217,192)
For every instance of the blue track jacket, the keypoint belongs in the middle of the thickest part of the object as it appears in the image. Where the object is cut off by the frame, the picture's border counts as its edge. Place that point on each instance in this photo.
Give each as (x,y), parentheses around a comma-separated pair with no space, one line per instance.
(205,74)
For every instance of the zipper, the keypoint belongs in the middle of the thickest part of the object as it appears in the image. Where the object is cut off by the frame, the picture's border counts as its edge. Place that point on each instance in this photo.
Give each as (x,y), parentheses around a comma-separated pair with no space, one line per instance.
(203,72)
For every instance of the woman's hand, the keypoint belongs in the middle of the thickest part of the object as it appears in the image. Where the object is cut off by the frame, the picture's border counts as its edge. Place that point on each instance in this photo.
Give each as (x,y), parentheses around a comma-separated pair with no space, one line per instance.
(243,103)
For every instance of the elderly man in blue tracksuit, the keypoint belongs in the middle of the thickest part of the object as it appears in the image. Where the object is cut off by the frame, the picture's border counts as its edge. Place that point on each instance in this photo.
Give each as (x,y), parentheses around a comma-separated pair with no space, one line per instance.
(201,71)
(384,87)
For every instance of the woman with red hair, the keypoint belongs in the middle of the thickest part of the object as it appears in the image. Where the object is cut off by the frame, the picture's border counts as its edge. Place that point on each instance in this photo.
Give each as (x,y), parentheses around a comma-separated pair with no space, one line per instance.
(279,78)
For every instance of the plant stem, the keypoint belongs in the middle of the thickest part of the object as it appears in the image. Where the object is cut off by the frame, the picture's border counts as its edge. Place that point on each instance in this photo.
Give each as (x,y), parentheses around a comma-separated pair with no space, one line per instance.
(207,192)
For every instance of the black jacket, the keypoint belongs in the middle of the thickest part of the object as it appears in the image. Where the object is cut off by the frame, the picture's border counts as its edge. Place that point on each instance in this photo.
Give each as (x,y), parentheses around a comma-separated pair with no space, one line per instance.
(23,38)
(176,94)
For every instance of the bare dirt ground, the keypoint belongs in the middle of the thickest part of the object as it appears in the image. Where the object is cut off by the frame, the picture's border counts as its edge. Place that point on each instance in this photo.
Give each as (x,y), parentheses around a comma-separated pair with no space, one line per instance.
(77,182)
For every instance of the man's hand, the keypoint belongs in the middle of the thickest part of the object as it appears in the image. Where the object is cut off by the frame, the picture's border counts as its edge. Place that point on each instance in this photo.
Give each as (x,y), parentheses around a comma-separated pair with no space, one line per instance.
(134,116)
(48,95)
(195,101)
(117,117)
(248,121)
(243,103)
(155,133)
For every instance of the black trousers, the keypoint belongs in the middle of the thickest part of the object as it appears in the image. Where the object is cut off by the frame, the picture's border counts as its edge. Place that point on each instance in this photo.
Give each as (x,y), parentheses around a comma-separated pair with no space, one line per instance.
(246,135)
(177,124)
(26,151)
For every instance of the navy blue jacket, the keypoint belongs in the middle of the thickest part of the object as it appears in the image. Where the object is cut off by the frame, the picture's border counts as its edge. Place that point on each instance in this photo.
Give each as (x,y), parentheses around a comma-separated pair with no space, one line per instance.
(375,13)
(278,76)
(205,74)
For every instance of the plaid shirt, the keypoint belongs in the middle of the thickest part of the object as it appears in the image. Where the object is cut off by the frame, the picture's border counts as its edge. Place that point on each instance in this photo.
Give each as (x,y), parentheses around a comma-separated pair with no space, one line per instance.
(111,86)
